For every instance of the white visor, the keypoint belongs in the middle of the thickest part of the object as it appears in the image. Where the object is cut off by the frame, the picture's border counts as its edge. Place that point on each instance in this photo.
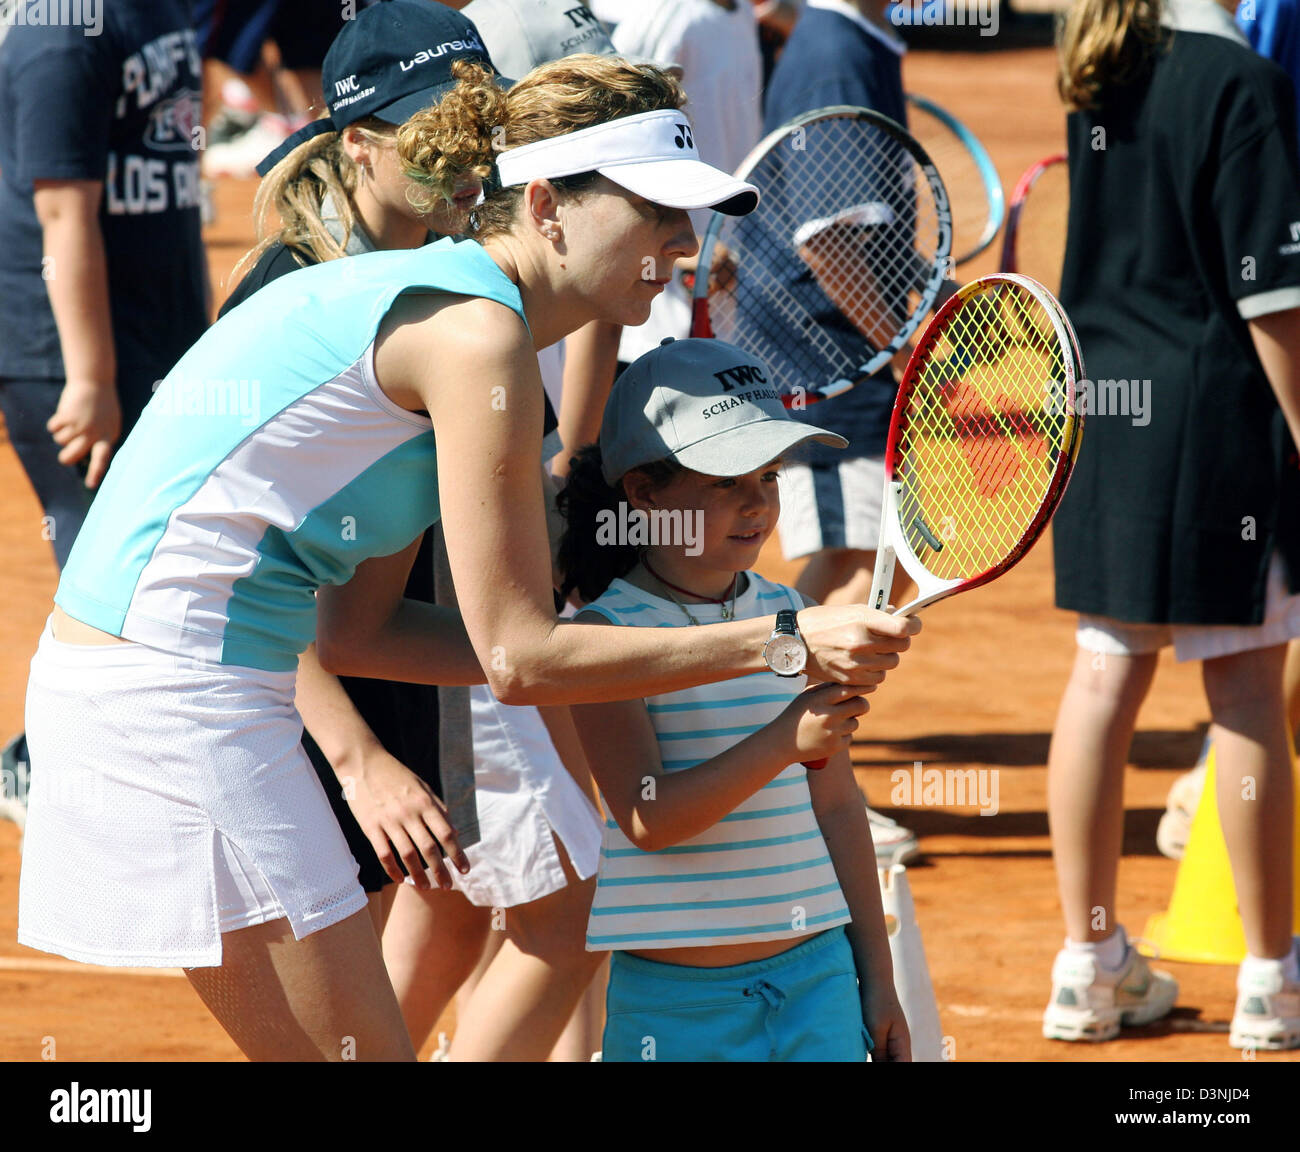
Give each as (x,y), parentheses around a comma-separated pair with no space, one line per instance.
(652,154)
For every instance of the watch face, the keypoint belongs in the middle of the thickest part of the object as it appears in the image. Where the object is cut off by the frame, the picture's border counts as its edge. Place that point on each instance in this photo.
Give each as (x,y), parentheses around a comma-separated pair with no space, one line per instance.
(786,655)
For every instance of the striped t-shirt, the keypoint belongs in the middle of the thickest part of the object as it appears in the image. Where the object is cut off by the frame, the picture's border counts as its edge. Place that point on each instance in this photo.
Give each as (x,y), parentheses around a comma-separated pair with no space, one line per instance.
(763,872)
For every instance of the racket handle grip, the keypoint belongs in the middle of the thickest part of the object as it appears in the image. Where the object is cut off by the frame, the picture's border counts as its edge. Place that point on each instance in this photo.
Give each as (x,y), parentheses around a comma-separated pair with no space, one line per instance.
(815,765)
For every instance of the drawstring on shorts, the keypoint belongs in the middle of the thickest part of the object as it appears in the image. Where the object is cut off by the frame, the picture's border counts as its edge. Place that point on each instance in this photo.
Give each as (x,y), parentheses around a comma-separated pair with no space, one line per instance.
(775,1000)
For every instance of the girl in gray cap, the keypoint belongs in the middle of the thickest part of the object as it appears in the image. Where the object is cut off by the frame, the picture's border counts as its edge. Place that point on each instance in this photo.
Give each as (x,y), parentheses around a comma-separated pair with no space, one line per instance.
(737,890)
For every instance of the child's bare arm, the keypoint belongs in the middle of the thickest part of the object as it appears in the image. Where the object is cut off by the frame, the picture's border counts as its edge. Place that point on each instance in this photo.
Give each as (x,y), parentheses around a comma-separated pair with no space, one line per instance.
(1277,340)
(657,809)
(842,817)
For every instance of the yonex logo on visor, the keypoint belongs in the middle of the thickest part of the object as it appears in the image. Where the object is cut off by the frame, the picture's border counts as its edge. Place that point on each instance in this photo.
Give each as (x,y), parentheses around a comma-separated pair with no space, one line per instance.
(643,138)
(652,154)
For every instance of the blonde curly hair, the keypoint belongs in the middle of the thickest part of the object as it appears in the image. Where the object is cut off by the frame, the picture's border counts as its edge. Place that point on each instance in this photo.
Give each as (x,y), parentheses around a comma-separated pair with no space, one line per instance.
(476,120)
(1105,43)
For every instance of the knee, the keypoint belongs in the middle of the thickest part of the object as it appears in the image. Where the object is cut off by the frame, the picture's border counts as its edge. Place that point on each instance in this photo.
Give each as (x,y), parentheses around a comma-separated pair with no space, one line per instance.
(1118,683)
(1249,683)
(554,929)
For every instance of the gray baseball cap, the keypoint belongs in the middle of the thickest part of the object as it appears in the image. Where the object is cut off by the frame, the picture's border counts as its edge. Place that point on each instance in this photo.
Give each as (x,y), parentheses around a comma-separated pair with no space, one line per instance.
(521,34)
(703,403)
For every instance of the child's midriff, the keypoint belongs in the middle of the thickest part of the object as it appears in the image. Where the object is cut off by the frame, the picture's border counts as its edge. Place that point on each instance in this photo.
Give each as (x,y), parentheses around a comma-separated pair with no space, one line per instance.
(723,955)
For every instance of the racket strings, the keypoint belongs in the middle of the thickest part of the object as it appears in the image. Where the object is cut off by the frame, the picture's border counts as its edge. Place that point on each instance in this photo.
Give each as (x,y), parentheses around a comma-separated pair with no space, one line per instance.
(833,264)
(983,432)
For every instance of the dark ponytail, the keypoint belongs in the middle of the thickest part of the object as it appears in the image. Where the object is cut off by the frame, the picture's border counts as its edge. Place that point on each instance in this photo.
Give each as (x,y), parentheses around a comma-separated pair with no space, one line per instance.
(589,560)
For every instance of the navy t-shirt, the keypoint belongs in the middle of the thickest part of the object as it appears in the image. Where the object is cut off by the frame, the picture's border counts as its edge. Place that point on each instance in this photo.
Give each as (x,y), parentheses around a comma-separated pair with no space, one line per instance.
(118,106)
(828,60)
(1184,227)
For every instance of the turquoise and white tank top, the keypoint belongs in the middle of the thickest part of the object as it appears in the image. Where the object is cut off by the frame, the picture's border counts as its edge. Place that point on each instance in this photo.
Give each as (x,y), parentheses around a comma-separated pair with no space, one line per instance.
(269,462)
(763,872)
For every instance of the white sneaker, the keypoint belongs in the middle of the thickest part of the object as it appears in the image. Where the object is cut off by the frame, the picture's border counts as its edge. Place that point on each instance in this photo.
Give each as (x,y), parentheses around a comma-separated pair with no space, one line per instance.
(1268,1008)
(1090,1002)
(441,1053)
(1180,807)
(894,843)
(241,156)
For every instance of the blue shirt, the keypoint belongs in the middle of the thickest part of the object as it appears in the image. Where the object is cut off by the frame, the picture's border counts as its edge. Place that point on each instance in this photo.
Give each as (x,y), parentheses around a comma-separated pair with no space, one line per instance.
(268,463)
(1274,31)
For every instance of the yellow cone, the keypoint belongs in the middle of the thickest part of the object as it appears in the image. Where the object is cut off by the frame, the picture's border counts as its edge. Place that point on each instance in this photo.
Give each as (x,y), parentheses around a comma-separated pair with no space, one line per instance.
(1203,924)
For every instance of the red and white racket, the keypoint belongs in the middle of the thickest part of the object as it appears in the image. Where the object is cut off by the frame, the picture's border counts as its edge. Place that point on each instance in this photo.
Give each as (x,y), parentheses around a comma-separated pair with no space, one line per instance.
(984,435)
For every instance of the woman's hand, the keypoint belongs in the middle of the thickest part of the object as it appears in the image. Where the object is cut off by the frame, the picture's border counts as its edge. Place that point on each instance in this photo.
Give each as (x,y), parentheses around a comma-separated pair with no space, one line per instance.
(401,817)
(853,644)
(821,720)
(883,1016)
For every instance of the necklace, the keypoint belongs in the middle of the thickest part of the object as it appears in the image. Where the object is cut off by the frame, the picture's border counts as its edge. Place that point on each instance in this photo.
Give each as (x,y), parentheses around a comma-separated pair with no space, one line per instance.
(727,613)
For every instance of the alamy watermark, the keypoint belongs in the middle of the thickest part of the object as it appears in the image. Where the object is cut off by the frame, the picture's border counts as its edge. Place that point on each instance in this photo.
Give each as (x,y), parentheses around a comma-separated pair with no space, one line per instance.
(187,397)
(1131,398)
(918,787)
(982,14)
(88,15)
(675,527)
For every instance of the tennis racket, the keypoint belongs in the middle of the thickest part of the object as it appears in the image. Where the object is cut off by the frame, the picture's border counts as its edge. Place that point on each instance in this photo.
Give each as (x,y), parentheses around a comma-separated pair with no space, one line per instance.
(846,254)
(1034,242)
(969,174)
(982,441)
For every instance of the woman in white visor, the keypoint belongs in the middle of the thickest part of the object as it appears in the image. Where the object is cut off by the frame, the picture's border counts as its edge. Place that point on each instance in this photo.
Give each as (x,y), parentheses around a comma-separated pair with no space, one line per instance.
(312,438)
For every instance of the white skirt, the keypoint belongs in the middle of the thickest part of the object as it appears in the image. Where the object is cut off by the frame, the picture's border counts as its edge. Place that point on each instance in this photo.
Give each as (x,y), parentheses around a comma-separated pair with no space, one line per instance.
(526,799)
(170,800)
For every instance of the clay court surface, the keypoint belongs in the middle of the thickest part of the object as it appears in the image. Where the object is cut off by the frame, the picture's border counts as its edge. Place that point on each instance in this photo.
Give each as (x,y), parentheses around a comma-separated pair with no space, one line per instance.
(979,690)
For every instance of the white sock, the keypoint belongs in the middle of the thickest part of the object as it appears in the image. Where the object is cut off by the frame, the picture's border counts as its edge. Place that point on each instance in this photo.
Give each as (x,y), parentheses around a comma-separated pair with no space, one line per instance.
(1109,953)
(1289,964)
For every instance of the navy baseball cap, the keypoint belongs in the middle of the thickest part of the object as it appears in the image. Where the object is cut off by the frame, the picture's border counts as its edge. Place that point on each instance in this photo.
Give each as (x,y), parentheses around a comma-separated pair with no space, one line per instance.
(390,61)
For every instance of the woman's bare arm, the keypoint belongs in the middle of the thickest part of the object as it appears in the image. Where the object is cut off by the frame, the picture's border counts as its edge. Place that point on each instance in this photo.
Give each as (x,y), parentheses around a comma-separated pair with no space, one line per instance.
(484,394)
(367,627)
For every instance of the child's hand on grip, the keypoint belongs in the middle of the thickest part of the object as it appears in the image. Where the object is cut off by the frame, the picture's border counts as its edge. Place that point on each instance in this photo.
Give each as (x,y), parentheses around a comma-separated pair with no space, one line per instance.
(822,719)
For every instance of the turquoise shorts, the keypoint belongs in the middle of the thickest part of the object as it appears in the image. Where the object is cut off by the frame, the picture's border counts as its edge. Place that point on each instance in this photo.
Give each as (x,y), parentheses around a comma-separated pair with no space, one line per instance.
(801,1005)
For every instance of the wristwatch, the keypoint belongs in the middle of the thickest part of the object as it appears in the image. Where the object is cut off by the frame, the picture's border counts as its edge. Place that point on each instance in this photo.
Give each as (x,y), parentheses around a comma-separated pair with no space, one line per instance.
(785,651)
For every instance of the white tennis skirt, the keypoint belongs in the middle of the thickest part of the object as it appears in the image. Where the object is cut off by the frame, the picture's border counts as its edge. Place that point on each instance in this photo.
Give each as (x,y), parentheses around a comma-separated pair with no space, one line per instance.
(170,800)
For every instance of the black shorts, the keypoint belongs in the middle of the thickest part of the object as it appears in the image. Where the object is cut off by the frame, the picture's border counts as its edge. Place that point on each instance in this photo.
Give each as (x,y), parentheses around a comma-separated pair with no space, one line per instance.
(404,718)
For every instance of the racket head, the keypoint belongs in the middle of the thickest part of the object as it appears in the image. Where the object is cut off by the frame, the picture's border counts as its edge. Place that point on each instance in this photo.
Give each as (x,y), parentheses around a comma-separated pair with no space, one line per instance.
(851,190)
(978,202)
(1034,241)
(984,436)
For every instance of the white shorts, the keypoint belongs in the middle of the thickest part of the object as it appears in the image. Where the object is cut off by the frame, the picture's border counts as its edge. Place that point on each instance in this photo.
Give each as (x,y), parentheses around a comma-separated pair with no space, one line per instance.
(170,801)
(831,506)
(526,799)
(1281,623)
